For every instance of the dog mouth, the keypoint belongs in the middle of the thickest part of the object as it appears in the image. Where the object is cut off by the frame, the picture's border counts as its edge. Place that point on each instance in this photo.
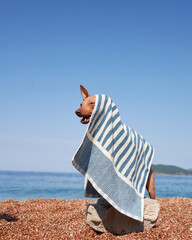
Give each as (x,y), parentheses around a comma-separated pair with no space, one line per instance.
(85,120)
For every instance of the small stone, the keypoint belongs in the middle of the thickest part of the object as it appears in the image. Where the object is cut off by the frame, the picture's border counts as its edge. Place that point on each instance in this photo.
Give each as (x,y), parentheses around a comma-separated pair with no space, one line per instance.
(103,219)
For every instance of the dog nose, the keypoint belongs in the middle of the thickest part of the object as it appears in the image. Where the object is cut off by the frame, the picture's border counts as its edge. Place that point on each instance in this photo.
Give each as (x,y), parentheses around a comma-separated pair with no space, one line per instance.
(77,112)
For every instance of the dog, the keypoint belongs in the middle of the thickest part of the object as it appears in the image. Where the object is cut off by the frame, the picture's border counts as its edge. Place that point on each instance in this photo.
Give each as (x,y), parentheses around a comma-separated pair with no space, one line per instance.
(85,111)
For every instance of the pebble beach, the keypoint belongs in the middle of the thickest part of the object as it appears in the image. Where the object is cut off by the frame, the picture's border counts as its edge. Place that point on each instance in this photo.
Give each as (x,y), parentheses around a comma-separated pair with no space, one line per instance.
(65,219)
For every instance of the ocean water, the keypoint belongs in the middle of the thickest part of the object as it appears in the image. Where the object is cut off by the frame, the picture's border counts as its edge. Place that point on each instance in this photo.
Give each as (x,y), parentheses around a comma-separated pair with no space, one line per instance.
(31,185)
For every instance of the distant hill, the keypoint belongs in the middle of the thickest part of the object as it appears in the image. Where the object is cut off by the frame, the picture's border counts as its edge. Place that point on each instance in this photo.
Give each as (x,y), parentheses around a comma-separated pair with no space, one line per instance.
(170,170)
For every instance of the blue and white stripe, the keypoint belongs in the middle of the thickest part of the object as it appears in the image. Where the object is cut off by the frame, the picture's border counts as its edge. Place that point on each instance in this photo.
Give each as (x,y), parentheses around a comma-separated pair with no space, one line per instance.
(130,153)
(115,160)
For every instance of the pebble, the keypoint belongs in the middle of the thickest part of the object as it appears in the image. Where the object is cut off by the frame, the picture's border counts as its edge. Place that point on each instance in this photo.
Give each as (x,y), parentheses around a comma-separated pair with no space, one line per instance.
(51,212)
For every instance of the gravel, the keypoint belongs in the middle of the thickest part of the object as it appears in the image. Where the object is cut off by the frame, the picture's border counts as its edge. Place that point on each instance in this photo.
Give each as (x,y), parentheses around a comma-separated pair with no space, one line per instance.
(62,219)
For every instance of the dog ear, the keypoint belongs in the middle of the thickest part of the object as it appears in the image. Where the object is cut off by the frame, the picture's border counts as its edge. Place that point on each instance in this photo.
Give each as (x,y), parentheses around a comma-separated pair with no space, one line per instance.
(84,92)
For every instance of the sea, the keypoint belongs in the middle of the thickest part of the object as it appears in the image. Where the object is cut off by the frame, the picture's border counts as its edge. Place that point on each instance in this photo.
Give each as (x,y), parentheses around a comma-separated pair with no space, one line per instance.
(31,185)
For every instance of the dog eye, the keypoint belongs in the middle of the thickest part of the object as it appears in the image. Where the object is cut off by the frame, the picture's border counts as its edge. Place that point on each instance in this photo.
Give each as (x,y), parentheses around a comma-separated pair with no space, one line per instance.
(92,102)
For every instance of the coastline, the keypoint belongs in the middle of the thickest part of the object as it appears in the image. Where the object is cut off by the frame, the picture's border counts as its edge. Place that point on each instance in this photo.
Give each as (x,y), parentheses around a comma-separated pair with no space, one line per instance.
(65,219)
(176,175)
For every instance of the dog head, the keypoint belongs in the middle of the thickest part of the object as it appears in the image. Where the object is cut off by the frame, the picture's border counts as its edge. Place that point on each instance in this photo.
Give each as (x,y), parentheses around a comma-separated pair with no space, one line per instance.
(86,107)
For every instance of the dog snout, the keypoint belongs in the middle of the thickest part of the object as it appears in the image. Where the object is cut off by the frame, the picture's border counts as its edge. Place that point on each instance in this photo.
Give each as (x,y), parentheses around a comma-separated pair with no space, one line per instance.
(78,112)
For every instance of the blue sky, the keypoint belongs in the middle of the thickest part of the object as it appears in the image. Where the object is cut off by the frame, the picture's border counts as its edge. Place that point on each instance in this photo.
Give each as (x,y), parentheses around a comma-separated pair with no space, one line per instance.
(137,52)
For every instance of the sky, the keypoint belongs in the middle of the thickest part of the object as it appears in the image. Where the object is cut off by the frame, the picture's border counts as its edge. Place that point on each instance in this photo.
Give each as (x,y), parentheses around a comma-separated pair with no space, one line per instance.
(137,52)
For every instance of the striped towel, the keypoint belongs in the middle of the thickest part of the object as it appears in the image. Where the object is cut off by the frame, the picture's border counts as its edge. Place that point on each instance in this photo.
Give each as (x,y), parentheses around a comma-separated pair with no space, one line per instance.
(114,159)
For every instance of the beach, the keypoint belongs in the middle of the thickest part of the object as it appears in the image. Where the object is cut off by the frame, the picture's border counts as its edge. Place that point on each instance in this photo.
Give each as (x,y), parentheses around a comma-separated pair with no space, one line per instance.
(65,219)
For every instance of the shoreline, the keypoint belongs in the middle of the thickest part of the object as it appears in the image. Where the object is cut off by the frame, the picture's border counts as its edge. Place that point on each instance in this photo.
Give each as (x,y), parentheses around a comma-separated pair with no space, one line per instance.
(76,173)
(177,175)
(65,219)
